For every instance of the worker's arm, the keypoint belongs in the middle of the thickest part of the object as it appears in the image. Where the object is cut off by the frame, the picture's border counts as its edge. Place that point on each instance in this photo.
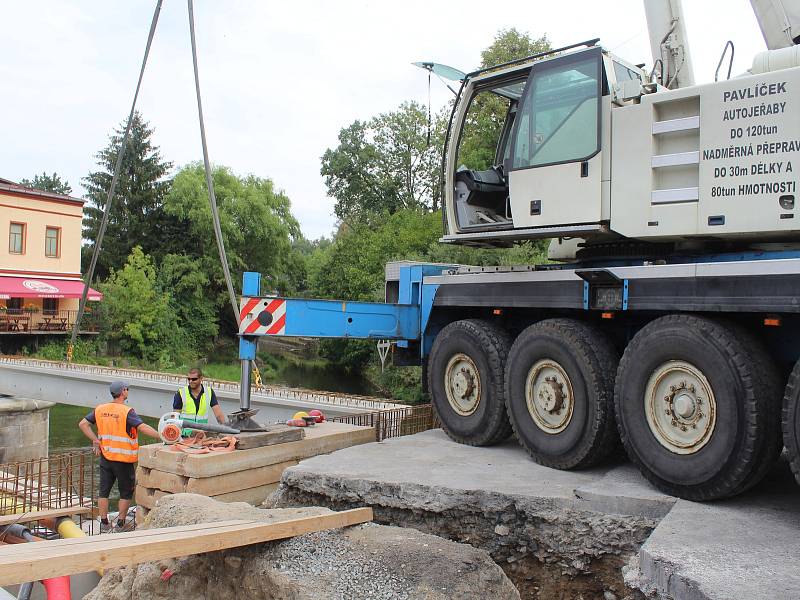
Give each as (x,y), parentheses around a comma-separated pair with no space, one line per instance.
(219,414)
(86,428)
(148,431)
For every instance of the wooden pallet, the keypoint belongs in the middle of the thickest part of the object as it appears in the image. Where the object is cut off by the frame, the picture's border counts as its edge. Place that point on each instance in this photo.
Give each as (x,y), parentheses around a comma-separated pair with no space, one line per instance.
(54,558)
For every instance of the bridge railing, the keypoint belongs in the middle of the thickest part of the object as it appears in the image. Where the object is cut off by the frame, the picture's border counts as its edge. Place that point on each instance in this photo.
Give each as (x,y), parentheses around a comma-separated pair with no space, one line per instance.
(312,397)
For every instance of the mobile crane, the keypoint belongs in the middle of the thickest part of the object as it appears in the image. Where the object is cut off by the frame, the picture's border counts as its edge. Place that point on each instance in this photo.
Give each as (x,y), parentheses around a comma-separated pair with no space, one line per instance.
(669,315)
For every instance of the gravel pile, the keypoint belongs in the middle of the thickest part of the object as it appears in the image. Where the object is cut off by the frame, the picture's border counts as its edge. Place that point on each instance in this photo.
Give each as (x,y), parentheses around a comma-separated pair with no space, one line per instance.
(353,572)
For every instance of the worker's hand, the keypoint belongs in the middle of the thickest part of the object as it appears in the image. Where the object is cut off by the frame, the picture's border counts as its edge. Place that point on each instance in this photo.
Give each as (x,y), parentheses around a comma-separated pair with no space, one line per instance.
(96,447)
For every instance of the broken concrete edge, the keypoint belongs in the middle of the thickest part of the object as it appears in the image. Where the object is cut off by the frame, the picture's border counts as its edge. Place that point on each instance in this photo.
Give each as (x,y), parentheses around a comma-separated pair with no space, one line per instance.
(586,499)
(564,533)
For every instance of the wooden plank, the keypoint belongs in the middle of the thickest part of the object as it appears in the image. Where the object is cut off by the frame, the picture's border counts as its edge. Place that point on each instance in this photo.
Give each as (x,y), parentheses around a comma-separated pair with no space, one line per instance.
(254,495)
(211,486)
(54,558)
(275,434)
(30,517)
(320,439)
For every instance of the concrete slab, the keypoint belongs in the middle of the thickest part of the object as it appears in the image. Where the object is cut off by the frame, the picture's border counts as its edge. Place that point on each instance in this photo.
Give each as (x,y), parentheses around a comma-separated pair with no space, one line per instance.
(587,522)
(432,461)
(747,547)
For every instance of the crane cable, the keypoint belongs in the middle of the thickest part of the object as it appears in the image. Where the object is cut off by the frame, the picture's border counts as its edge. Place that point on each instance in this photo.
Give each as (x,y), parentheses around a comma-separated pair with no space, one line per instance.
(112,189)
(212,199)
(118,167)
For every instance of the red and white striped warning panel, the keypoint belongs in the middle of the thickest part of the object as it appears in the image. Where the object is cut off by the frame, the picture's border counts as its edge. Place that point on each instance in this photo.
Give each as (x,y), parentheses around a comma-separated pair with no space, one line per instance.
(262,316)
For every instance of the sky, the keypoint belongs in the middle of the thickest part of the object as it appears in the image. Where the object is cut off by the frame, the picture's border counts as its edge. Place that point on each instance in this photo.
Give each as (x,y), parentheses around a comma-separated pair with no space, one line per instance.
(279,79)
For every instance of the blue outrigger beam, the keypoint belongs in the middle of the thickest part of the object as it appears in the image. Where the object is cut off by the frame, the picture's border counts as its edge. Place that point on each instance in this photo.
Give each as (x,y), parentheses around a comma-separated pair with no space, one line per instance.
(262,316)
(405,321)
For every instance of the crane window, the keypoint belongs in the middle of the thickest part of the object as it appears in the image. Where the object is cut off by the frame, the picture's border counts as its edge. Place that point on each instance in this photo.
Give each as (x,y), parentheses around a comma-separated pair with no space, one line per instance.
(559,119)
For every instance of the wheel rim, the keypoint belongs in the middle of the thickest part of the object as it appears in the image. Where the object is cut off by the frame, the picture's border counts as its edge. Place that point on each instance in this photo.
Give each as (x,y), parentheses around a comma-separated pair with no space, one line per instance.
(462,383)
(549,396)
(680,407)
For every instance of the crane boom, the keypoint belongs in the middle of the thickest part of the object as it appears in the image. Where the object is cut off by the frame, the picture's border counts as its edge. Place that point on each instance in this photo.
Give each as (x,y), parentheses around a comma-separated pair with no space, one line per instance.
(779,21)
(669,43)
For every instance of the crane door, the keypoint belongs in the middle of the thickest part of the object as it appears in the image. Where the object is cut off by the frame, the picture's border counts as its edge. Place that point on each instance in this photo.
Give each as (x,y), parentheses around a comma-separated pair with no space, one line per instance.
(555,171)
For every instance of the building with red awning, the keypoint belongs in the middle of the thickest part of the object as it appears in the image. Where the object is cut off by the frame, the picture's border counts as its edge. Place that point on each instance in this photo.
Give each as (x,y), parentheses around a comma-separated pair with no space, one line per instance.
(40,261)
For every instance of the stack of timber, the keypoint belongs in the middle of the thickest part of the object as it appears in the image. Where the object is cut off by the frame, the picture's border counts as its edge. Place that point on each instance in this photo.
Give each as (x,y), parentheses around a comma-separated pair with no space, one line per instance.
(246,475)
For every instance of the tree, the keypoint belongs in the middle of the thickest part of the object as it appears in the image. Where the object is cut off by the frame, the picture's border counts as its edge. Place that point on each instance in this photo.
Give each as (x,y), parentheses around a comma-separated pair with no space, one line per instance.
(257,226)
(48,183)
(137,215)
(385,165)
(137,314)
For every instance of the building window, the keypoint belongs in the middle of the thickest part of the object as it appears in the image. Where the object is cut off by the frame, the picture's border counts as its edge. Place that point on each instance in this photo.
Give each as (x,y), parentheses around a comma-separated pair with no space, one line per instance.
(16,238)
(50,306)
(14,305)
(52,237)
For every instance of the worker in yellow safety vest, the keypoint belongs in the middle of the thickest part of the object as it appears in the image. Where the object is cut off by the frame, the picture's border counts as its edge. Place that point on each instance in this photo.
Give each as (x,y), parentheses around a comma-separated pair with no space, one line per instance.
(117,445)
(194,401)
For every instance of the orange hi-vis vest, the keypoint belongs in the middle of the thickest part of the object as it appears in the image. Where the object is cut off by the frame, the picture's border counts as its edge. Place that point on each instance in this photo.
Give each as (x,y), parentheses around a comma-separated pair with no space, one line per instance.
(116,442)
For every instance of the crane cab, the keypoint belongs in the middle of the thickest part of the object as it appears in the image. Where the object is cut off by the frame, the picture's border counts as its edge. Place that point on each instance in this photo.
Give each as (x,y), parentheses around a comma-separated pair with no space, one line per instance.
(549,173)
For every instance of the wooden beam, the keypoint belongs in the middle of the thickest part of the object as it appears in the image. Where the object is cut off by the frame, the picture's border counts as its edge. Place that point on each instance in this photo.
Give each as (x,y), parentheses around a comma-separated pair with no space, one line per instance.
(54,558)
(53,513)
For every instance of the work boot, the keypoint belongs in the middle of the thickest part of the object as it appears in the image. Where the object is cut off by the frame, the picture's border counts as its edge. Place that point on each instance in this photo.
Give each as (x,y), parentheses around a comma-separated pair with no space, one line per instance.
(105,527)
(122,526)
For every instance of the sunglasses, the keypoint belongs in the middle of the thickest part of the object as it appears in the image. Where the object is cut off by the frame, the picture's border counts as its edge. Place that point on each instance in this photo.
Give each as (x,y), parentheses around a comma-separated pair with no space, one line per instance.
(193,378)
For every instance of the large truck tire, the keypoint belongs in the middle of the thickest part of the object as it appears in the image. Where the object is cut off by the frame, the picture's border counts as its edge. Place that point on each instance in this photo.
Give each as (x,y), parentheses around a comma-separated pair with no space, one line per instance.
(772,384)
(560,393)
(791,420)
(465,380)
(692,404)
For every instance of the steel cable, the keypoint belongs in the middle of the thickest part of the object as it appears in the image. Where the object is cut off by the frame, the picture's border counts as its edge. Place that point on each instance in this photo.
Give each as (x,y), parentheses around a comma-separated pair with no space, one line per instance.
(117,168)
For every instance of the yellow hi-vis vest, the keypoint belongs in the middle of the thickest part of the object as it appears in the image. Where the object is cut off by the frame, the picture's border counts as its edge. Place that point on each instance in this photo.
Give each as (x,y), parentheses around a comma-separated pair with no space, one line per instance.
(116,442)
(192,412)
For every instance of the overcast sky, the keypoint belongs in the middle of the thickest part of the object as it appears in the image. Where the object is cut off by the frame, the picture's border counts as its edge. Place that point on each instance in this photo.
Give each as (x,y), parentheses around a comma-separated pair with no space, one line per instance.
(279,79)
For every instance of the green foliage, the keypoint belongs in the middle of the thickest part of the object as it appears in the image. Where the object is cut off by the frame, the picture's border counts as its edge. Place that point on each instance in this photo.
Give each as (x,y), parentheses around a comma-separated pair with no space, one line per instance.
(257,226)
(187,283)
(138,316)
(403,384)
(385,165)
(85,351)
(137,216)
(510,44)
(48,183)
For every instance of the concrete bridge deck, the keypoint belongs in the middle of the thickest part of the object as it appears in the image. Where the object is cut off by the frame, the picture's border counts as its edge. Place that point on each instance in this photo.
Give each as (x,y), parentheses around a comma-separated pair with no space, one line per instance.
(151,392)
(560,534)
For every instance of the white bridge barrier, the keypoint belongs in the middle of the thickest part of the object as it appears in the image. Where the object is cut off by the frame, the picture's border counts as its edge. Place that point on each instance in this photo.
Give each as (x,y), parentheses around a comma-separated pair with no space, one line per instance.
(151,392)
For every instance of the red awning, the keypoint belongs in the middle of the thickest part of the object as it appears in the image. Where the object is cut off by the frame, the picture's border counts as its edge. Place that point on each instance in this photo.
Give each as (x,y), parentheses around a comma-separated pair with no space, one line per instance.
(28,287)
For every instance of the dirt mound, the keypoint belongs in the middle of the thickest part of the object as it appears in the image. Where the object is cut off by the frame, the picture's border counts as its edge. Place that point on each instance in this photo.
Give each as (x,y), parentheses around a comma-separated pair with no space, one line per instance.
(366,561)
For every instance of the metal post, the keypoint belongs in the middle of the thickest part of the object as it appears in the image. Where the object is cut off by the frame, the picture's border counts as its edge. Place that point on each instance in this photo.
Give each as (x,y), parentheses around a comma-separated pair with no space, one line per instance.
(244,388)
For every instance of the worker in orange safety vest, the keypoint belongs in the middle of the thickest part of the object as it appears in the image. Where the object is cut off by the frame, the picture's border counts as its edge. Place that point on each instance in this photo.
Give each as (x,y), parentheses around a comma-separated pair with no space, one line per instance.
(117,445)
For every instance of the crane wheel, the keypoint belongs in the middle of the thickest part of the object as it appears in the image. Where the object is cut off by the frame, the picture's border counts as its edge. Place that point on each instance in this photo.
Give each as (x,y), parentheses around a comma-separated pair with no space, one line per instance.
(559,385)
(791,420)
(465,380)
(692,405)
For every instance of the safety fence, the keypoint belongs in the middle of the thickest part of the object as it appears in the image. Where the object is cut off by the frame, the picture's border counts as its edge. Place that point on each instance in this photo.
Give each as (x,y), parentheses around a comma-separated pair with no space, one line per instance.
(396,422)
(61,485)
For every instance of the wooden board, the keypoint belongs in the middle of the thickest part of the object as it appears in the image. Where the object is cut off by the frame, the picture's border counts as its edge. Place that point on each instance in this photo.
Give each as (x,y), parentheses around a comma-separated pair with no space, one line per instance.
(30,517)
(54,558)
(253,495)
(320,439)
(211,486)
(275,434)
(147,497)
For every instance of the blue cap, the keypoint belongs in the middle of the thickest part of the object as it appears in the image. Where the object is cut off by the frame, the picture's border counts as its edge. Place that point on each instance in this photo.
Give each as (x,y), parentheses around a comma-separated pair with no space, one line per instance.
(116,388)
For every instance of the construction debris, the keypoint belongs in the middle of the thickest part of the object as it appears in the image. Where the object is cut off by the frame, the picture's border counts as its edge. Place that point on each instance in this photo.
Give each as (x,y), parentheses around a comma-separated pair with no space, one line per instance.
(365,561)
